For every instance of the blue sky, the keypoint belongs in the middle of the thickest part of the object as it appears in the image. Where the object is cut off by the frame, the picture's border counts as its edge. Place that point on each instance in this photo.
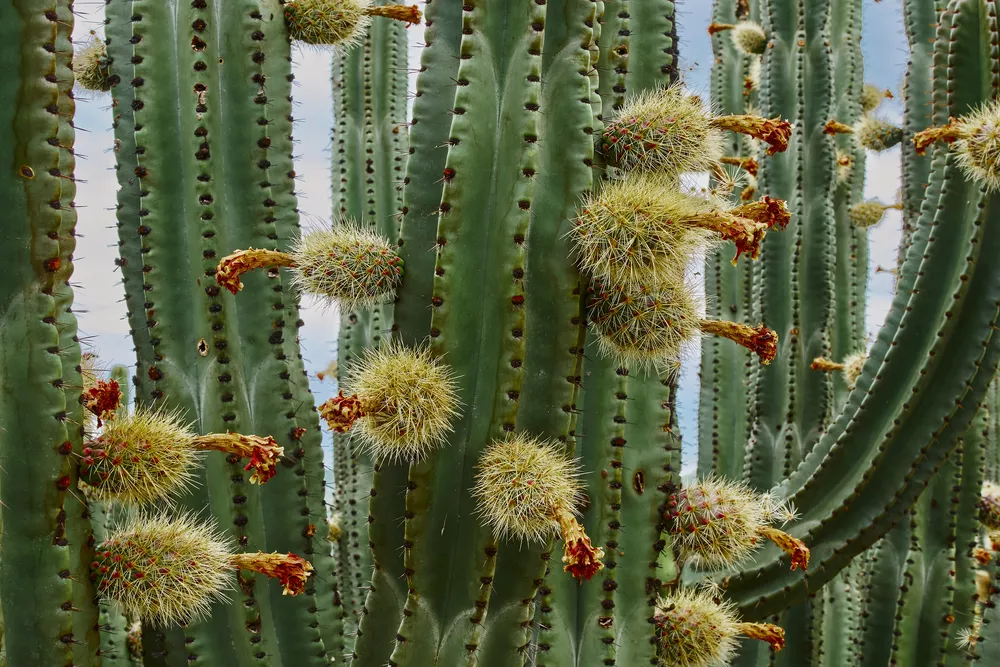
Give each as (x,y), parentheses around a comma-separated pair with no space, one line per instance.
(99,300)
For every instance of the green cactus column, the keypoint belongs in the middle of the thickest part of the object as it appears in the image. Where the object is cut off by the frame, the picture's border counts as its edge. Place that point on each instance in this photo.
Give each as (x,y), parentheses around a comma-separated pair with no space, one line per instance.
(48,608)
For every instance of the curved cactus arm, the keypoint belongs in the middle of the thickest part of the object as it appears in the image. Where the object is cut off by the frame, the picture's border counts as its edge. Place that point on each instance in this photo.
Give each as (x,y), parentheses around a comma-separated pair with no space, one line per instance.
(904,445)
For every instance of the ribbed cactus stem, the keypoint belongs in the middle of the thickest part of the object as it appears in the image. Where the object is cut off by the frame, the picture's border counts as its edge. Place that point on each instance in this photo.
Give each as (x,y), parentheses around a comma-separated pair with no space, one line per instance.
(759,339)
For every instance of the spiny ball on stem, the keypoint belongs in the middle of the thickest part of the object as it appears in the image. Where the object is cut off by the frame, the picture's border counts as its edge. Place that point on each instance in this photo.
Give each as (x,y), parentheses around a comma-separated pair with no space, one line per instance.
(528,489)
(663,130)
(403,402)
(853,365)
(979,146)
(333,22)
(749,38)
(869,213)
(872,97)
(989,505)
(91,66)
(877,134)
(718,523)
(163,570)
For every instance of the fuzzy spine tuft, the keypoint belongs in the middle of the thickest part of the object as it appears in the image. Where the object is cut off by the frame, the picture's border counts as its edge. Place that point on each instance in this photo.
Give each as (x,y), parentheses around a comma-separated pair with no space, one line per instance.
(877,134)
(91,66)
(989,505)
(749,38)
(872,97)
(327,22)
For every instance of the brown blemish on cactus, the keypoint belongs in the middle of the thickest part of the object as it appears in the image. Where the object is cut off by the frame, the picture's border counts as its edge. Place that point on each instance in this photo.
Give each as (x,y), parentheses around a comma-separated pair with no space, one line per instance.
(772,131)
(759,339)
(772,634)
(825,365)
(235,265)
(263,452)
(792,546)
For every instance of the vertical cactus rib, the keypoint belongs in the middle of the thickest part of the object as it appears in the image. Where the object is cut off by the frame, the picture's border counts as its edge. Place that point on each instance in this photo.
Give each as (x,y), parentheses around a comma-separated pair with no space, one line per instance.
(478,323)
(908,435)
(38,507)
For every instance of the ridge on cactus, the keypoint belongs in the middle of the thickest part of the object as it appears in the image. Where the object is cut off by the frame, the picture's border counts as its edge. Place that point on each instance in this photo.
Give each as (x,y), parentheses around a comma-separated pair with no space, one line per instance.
(149,455)
(975,137)
(718,523)
(695,630)
(527,488)
(869,213)
(167,570)
(339,22)
(348,264)
(989,505)
(647,325)
(91,67)
(643,230)
(666,130)
(402,402)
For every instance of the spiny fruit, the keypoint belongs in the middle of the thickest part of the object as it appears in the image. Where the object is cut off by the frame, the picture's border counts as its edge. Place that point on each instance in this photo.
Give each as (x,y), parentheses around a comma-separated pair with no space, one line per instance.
(348,264)
(749,38)
(339,22)
(647,326)
(666,130)
(877,134)
(869,213)
(402,403)
(151,454)
(975,137)
(91,67)
(168,570)
(853,365)
(528,489)
(718,523)
(643,230)
(872,97)
(989,505)
(695,630)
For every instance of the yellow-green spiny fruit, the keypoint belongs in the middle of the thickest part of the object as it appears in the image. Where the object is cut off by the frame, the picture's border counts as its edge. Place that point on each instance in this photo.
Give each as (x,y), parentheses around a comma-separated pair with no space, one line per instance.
(643,230)
(869,213)
(526,488)
(402,404)
(669,131)
(645,326)
(693,629)
(150,455)
(167,570)
(718,523)
(749,38)
(877,134)
(975,137)
(347,264)
(339,22)
(91,66)
(853,365)
(872,97)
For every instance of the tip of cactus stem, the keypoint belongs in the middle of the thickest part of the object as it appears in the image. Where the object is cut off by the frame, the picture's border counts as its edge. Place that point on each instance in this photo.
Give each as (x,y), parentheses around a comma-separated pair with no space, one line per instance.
(263,452)
(989,505)
(749,38)
(290,570)
(340,412)
(347,264)
(91,66)
(663,130)
(760,340)
(877,134)
(403,404)
(140,457)
(582,559)
(872,96)
(775,132)
(644,325)
(231,267)
(524,487)
(162,569)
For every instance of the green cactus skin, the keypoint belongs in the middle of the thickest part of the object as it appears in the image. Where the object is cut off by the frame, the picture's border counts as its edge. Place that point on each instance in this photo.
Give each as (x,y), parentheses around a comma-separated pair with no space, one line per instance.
(223,206)
(906,444)
(723,394)
(48,610)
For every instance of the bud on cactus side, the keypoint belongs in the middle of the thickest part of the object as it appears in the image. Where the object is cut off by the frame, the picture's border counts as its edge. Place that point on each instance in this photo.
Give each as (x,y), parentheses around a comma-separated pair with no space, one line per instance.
(872,97)
(877,134)
(869,213)
(91,67)
(526,488)
(402,404)
(749,38)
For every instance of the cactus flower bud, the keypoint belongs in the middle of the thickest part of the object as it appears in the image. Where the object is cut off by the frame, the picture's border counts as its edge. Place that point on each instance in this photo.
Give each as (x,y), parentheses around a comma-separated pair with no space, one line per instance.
(749,38)
(526,488)
(403,404)
(290,570)
(695,630)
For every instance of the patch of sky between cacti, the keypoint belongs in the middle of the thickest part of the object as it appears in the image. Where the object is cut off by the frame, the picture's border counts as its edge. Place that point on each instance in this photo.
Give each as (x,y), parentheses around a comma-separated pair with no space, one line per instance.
(103,324)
